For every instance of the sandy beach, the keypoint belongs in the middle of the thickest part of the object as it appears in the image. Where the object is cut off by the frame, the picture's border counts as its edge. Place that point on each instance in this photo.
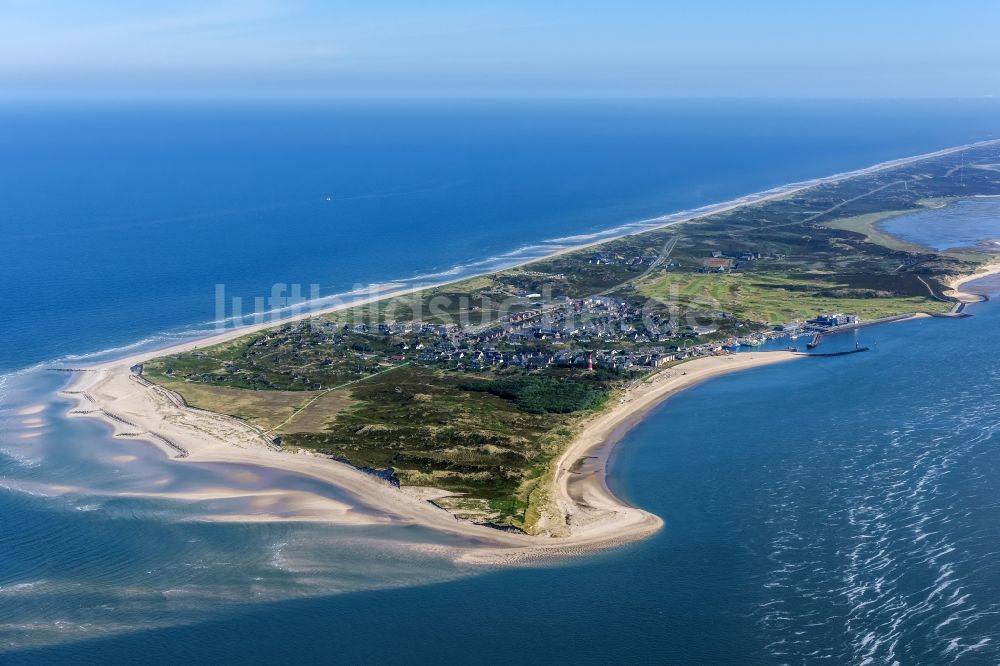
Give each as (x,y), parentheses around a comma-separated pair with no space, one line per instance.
(400,288)
(582,512)
(956,283)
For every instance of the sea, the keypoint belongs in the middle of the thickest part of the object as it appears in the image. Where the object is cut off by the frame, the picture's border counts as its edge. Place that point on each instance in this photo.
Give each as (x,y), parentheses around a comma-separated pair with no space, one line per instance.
(840,510)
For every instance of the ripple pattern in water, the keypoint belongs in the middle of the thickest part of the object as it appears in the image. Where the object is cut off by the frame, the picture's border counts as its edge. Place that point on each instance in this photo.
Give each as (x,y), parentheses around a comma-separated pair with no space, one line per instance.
(875,539)
(79,560)
(837,510)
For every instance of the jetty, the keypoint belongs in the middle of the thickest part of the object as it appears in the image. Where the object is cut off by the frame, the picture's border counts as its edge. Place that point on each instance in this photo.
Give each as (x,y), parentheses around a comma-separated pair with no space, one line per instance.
(856,350)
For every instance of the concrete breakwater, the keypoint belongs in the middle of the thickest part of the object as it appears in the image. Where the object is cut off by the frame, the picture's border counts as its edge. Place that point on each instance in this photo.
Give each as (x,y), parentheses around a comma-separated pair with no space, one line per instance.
(856,350)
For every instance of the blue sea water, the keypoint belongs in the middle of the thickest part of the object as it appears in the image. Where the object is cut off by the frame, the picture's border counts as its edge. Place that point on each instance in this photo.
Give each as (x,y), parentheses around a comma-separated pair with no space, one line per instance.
(119,221)
(839,509)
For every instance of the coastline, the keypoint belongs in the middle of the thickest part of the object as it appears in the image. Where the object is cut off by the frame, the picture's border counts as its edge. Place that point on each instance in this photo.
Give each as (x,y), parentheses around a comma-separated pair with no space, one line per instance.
(583,514)
(588,516)
(592,515)
(380,291)
(956,283)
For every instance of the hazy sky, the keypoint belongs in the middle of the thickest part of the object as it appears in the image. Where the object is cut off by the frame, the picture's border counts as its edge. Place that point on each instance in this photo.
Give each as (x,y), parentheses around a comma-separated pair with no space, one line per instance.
(513,48)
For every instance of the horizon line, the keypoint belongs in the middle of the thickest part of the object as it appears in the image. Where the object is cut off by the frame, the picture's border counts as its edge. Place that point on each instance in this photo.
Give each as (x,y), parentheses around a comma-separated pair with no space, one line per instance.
(306,99)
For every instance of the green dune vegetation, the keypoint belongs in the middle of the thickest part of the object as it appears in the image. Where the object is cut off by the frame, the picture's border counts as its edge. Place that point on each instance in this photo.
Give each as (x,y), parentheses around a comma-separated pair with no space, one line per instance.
(475,387)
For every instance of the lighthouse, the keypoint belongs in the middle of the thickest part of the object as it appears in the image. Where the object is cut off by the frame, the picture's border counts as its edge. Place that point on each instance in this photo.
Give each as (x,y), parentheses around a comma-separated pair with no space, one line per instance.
(590,362)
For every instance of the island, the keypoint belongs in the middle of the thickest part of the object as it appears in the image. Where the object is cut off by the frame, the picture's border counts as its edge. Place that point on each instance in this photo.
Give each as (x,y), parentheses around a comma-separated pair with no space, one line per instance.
(488,406)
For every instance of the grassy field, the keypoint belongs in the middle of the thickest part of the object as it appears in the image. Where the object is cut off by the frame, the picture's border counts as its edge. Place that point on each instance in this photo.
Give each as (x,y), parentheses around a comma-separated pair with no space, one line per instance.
(265,409)
(777,299)
(868,225)
(318,414)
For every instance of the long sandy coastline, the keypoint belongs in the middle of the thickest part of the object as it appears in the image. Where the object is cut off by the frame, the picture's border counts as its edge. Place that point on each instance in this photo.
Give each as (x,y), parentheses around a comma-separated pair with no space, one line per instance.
(380,292)
(582,512)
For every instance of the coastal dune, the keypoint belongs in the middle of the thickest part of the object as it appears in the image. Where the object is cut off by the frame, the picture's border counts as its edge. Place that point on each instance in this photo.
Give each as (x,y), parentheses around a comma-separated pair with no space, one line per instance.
(140,411)
(582,514)
(579,511)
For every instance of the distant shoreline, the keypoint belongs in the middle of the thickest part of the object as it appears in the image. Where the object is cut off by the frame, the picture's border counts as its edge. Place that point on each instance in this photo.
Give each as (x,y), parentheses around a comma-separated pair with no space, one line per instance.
(380,291)
(589,516)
